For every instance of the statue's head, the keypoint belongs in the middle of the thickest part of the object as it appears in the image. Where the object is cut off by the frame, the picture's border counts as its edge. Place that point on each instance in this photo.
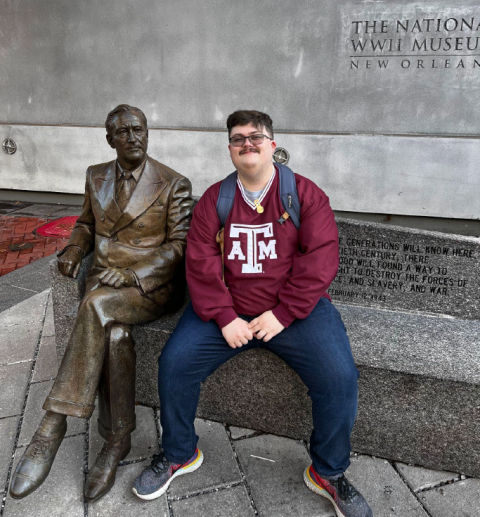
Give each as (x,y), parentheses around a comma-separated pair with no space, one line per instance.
(127,133)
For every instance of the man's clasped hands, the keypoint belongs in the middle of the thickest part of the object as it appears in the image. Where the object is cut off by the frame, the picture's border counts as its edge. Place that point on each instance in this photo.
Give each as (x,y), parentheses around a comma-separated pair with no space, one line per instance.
(239,332)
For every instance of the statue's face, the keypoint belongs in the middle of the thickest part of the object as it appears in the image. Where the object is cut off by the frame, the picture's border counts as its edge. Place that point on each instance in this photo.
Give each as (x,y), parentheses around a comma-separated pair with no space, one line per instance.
(129,138)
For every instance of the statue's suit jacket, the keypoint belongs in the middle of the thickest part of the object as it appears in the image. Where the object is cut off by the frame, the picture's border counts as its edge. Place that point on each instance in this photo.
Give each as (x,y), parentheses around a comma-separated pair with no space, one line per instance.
(148,237)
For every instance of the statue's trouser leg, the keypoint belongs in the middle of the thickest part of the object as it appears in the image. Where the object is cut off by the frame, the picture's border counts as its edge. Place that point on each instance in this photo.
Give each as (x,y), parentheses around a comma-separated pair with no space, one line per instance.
(75,387)
(116,391)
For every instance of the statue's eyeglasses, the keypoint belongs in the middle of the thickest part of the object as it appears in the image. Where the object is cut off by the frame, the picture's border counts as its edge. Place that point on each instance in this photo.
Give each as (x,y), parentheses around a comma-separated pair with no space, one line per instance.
(256,139)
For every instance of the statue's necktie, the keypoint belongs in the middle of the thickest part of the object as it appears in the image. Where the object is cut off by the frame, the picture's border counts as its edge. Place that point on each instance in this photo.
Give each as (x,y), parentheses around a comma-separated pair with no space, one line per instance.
(126,186)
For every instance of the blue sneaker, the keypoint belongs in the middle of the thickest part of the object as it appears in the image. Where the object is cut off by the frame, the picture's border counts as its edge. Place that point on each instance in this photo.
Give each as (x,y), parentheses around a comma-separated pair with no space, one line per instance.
(346,499)
(155,479)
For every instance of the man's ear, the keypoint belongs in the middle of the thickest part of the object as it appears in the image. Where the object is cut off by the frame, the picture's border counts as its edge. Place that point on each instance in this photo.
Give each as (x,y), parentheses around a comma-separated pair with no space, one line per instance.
(110,140)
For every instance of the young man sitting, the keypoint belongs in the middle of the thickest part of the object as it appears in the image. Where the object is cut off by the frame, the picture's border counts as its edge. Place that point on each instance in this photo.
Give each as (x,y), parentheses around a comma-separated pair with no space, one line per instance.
(277,278)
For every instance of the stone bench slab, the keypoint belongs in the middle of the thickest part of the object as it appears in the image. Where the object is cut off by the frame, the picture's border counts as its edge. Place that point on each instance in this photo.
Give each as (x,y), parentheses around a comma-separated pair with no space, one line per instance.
(439,347)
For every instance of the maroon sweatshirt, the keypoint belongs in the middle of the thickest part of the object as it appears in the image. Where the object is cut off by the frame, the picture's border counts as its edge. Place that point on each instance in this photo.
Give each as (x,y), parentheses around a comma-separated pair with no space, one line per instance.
(268,265)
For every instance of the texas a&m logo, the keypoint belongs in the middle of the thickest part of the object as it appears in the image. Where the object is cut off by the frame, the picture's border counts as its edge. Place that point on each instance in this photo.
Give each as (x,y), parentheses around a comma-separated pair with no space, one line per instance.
(256,249)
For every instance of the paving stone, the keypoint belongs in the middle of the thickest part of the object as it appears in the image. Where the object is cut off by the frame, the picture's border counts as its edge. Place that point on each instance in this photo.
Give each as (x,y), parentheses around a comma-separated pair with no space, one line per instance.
(67,211)
(7,207)
(20,328)
(460,499)
(8,431)
(121,501)
(13,379)
(39,210)
(383,488)
(419,478)
(35,277)
(233,502)
(11,295)
(49,324)
(46,366)
(144,438)
(219,465)
(34,413)
(274,468)
(240,432)
(62,492)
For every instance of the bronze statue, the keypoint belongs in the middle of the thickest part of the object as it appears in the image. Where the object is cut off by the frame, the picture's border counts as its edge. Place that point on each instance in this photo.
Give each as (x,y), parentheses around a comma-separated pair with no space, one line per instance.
(135,217)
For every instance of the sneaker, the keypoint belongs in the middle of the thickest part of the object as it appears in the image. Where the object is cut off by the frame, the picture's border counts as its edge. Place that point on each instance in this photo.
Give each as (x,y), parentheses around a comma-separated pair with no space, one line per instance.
(155,479)
(346,499)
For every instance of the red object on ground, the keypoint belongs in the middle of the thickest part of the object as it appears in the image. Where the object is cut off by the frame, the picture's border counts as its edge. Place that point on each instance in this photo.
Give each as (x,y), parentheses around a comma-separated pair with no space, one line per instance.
(15,231)
(58,228)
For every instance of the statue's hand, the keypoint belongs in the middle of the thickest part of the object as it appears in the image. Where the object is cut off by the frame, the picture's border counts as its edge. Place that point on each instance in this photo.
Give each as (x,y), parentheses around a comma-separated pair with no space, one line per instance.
(117,277)
(69,262)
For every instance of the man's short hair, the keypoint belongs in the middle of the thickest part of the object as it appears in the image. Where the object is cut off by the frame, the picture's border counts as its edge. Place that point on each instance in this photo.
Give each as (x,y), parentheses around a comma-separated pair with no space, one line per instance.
(258,120)
(122,108)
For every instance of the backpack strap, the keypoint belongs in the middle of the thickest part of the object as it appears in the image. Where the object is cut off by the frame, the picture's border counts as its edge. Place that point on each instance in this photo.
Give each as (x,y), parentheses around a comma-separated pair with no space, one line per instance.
(226,197)
(289,193)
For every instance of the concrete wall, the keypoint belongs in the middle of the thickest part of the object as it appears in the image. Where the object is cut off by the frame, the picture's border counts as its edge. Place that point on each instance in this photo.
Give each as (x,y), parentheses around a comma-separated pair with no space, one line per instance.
(387,129)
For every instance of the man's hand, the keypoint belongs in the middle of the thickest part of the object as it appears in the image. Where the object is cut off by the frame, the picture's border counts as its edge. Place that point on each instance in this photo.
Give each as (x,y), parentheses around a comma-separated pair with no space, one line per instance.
(266,326)
(237,333)
(69,262)
(116,277)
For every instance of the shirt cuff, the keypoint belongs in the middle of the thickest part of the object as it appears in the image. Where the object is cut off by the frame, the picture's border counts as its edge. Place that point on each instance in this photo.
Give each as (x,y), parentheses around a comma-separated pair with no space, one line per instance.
(283,316)
(225,317)
(61,252)
(136,281)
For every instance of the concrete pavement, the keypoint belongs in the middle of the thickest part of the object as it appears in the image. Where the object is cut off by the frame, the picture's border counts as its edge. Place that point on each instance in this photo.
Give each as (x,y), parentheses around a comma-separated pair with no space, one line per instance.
(245,473)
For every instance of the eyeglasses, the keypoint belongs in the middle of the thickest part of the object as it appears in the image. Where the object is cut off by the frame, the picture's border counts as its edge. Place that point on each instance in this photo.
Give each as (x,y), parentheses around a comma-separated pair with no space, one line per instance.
(256,139)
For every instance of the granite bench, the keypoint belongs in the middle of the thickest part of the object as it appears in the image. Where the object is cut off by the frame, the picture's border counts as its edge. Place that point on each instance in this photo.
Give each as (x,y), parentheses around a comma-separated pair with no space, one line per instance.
(410,301)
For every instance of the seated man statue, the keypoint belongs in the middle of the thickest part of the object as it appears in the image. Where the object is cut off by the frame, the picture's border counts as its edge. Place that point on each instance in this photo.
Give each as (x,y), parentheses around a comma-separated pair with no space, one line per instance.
(280,244)
(135,217)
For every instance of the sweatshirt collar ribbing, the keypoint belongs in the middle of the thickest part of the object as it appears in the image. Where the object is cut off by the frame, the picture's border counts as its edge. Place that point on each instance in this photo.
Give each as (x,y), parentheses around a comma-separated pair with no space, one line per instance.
(262,195)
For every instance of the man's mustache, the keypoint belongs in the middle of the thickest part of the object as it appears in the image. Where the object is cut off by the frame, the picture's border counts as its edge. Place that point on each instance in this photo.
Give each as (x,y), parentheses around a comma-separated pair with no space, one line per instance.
(249,150)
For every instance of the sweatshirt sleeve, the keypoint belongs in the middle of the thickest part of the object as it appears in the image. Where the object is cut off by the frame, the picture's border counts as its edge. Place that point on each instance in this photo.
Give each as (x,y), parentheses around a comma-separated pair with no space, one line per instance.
(315,265)
(210,296)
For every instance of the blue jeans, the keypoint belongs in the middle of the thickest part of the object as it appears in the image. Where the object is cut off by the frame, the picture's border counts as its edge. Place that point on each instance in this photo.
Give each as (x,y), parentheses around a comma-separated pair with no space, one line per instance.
(317,348)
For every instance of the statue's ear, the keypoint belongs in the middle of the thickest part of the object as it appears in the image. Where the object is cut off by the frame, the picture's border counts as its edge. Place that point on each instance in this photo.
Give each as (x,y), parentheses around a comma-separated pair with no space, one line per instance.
(110,140)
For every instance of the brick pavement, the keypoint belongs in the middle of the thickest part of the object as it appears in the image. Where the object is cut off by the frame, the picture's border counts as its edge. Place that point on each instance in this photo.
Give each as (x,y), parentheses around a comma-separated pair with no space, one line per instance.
(20,246)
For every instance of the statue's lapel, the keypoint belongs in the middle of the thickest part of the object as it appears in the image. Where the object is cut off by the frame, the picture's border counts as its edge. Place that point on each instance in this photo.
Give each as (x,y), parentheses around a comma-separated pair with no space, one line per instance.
(149,187)
(105,187)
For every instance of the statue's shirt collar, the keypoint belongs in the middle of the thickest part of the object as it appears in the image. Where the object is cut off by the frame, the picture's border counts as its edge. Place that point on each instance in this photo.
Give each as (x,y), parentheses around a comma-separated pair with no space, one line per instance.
(136,173)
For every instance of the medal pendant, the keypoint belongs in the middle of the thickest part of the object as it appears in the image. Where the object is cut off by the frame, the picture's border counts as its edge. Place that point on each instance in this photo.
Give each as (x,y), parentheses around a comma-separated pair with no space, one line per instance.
(260,208)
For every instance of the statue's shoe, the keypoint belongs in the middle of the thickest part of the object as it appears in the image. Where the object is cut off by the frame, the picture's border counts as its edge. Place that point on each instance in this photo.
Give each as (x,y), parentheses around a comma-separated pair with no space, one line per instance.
(101,476)
(37,460)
